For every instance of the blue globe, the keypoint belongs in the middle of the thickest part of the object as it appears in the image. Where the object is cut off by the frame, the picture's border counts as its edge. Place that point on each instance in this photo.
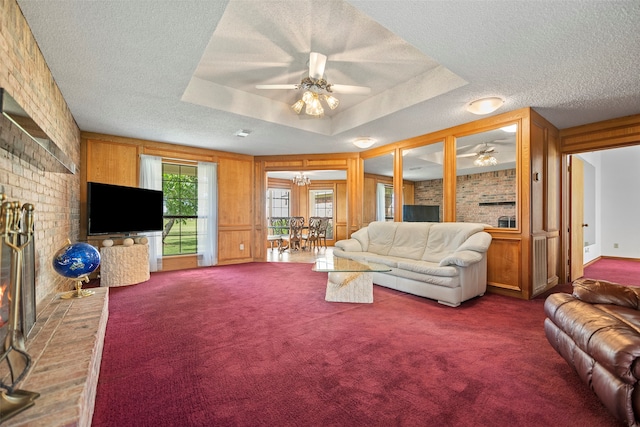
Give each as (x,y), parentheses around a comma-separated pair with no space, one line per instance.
(76,260)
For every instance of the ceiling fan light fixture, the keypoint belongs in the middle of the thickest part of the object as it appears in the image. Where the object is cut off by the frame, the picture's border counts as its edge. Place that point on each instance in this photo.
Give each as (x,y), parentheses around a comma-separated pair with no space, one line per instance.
(314,107)
(307,96)
(297,107)
(364,142)
(485,105)
(332,101)
(484,159)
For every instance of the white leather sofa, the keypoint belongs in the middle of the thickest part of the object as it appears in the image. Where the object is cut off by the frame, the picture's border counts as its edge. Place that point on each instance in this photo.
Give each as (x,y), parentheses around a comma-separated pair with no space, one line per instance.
(442,261)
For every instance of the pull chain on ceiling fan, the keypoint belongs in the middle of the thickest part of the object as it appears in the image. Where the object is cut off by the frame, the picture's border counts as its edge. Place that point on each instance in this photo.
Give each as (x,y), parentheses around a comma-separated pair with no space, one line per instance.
(316,88)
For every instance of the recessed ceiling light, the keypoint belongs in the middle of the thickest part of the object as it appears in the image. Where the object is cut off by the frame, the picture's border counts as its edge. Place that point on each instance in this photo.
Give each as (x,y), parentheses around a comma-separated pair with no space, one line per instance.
(511,128)
(242,133)
(485,105)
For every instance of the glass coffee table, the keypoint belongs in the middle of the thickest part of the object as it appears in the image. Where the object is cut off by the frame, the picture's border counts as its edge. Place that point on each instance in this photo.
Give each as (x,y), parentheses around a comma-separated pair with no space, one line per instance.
(349,281)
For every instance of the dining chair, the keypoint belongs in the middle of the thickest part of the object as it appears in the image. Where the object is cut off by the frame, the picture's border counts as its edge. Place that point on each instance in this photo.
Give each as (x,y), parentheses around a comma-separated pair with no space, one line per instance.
(322,230)
(296,223)
(277,227)
(310,238)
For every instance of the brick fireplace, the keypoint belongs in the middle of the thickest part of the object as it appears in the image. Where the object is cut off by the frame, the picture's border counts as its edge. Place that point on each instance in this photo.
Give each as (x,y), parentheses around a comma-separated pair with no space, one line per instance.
(25,75)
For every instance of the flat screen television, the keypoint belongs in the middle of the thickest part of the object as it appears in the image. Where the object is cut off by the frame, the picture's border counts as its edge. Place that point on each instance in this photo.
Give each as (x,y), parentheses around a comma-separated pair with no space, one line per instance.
(421,213)
(115,209)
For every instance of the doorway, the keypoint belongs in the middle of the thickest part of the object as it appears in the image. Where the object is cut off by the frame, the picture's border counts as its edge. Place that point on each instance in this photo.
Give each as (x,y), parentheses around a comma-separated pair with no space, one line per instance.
(611,230)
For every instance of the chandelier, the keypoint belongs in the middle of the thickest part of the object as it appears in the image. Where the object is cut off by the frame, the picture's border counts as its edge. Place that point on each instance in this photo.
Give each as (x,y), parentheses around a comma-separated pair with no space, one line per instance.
(485,159)
(301,179)
(311,97)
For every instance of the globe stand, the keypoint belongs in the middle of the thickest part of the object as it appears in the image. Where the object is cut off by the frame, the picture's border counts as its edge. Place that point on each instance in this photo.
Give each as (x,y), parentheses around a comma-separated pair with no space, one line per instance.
(79,292)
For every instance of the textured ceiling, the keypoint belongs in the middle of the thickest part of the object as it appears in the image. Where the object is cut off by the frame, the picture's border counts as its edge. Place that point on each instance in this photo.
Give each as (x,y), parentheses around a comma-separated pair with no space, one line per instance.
(128,67)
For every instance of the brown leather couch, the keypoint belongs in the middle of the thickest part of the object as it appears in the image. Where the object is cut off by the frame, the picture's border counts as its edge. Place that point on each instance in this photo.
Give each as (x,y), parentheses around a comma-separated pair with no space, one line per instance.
(597,331)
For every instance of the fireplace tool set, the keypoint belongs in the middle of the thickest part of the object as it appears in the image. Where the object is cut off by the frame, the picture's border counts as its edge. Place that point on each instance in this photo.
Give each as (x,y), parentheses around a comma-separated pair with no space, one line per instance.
(16,231)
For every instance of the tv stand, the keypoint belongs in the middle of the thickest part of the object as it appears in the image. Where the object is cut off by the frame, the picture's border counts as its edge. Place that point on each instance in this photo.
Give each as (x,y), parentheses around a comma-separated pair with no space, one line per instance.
(124,265)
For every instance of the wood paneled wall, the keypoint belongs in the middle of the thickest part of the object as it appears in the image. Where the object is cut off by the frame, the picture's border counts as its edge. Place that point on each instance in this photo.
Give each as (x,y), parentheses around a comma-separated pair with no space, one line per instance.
(243,185)
(115,160)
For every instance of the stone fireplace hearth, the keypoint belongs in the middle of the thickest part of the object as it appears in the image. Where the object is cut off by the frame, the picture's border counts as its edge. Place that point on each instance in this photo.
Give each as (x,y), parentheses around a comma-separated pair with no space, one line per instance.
(66,349)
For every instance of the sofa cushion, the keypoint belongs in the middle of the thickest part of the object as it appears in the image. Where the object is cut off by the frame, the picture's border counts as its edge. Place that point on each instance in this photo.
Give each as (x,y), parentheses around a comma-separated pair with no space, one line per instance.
(426,267)
(603,292)
(445,238)
(448,282)
(410,240)
(383,259)
(389,261)
(381,235)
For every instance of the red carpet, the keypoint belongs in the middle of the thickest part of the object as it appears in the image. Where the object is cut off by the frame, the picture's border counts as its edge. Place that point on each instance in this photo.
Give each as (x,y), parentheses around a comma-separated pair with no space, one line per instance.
(257,345)
(615,270)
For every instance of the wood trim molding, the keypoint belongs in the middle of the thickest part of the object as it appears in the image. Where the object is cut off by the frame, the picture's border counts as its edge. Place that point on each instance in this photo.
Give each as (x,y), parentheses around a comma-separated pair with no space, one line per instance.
(620,132)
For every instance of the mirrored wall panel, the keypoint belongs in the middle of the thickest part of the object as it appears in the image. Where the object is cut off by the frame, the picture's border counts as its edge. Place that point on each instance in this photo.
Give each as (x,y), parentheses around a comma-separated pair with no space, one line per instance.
(486,182)
(378,203)
(423,191)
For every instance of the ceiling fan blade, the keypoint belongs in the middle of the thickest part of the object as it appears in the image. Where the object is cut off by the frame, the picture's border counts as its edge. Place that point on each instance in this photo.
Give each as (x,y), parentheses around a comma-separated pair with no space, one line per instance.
(351,90)
(317,62)
(276,86)
(467,155)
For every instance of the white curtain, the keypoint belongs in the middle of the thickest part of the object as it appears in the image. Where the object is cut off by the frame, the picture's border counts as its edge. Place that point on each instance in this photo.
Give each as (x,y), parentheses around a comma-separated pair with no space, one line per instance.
(380,201)
(207,214)
(151,178)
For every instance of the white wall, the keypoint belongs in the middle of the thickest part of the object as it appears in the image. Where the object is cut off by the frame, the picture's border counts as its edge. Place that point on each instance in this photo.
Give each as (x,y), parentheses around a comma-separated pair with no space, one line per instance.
(619,202)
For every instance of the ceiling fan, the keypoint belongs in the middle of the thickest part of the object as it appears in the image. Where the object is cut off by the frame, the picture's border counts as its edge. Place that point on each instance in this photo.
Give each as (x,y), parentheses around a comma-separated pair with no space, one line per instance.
(483,153)
(477,150)
(317,88)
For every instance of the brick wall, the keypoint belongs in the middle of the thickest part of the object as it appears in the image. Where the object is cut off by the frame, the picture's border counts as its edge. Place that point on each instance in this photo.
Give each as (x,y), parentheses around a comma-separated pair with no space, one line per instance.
(25,75)
(472,191)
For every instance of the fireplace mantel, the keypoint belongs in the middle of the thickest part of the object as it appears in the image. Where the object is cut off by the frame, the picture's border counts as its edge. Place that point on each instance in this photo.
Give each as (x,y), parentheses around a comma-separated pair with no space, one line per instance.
(36,147)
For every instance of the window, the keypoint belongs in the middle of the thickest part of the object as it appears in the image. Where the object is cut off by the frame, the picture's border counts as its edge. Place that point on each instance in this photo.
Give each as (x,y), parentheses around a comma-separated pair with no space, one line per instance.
(180,189)
(321,204)
(278,203)
(388,202)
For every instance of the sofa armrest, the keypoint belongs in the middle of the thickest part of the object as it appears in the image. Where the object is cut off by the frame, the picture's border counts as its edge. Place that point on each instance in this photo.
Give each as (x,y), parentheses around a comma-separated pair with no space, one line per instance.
(478,242)
(349,245)
(603,292)
(461,259)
